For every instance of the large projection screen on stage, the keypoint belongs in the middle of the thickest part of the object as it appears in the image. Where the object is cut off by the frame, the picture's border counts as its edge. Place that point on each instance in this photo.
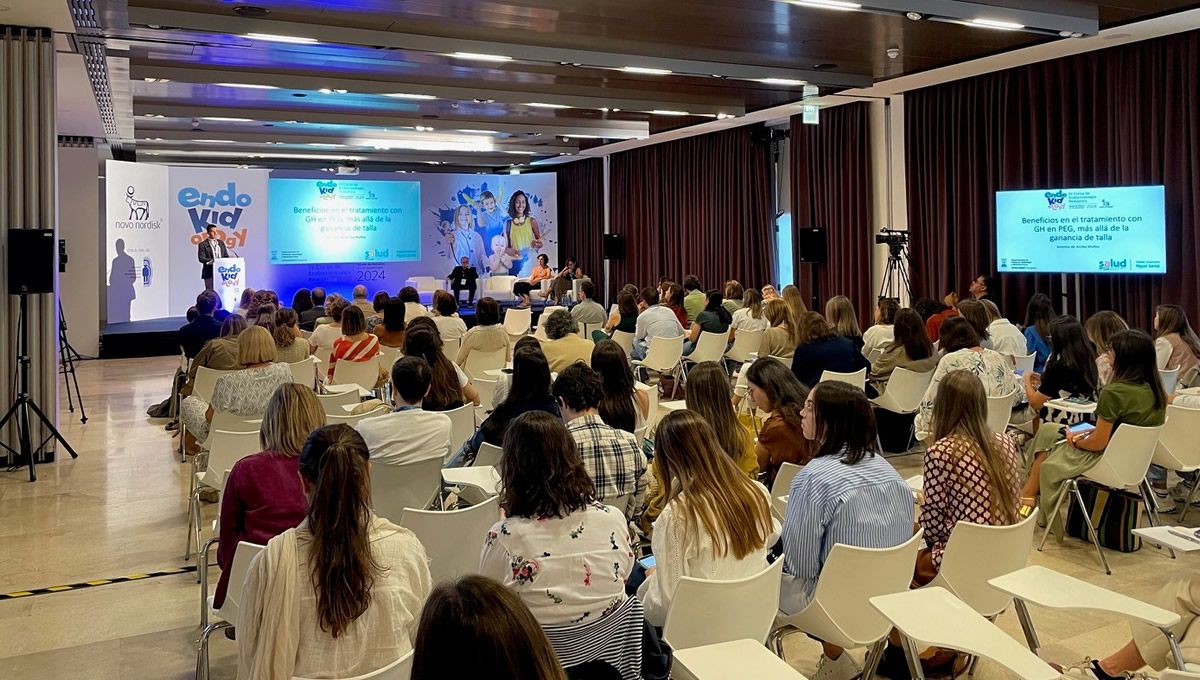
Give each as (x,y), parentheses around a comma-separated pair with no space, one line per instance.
(1102,230)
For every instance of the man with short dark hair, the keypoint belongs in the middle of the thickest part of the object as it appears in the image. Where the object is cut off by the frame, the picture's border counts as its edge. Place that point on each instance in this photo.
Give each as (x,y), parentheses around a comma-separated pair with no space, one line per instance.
(655,320)
(408,434)
(612,457)
(203,328)
(308,318)
(210,249)
(693,301)
(587,310)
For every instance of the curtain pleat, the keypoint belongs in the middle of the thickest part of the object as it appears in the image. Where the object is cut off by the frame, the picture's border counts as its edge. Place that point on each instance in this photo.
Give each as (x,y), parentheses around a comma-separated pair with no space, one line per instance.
(581,215)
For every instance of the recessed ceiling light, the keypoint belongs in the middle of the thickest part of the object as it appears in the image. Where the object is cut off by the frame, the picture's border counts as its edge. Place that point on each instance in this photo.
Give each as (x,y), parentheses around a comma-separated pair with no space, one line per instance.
(153,115)
(668,112)
(423,128)
(723,116)
(326,145)
(645,71)
(271,37)
(475,56)
(223,119)
(480,132)
(433,162)
(326,90)
(407,95)
(248,86)
(484,101)
(156,80)
(542,105)
(997,24)
(786,82)
(914,16)
(840,5)
(215,141)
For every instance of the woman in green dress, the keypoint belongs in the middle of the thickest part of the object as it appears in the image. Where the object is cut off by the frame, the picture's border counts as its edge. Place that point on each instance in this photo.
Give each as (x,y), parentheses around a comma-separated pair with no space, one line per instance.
(1135,396)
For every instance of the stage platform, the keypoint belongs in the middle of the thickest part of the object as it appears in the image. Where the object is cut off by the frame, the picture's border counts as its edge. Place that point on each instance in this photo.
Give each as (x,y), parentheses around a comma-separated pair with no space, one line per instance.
(159,337)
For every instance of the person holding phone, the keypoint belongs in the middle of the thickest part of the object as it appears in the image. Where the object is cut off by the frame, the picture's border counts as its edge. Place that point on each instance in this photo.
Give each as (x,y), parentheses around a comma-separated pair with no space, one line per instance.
(1070,372)
(1135,396)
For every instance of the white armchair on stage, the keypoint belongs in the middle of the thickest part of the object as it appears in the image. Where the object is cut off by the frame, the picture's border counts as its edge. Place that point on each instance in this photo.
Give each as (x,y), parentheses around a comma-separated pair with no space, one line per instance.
(499,287)
(425,285)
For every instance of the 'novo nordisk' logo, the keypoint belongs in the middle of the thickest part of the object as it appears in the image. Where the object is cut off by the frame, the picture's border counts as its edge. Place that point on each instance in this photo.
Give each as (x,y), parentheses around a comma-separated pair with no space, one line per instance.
(138,210)
(229,274)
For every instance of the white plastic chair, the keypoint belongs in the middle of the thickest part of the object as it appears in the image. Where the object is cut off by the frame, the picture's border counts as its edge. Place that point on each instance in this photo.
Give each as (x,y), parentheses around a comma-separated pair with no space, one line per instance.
(452,538)
(709,347)
(1000,411)
(1169,378)
(225,449)
(1178,675)
(1053,590)
(977,553)
(663,356)
(745,343)
(737,659)
(586,329)
(488,454)
(517,321)
(451,346)
(782,486)
(227,615)
(206,380)
(362,373)
(840,612)
(412,485)
(486,387)
(389,356)
(747,609)
(934,617)
(1123,466)
(904,392)
(400,669)
(462,425)
(857,379)
(479,363)
(625,340)
(322,355)
(1178,447)
(333,403)
(304,372)
(353,419)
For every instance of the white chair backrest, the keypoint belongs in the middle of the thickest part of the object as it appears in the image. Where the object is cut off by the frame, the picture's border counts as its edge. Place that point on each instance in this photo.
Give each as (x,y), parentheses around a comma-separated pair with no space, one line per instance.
(488,454)
(747,608)
(745,343)
(206,380)
(389,356)
(462,425)
(851,576)
(857,379)
(479,363)
(709,347)
(396,487)
(625,340)
(362,373)
(400,669)
(663,354)
(905,389)
(333,403)
(621,503)
(304,372)
(353,419)
(976,553)
(640,434)
(225,449)
(305,334)
(1169,378)
(1025,363)
(1000,411)
(242,556)
(517,321)
(782,486)
(323,354)
(1127,456)
(1178,447)
(452,538)
(451,346)
(540,333)
(586,329)
(230,422)
(486,387)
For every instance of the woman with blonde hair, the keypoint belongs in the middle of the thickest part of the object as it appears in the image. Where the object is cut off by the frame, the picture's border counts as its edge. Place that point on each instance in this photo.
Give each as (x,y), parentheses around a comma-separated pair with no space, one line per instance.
(716,522)
(263,496)
(971,473)
(839,311)
(733,295)
(795,301)
(782,336)
(1101,327)
(750,316)
(708,394)
(290,347)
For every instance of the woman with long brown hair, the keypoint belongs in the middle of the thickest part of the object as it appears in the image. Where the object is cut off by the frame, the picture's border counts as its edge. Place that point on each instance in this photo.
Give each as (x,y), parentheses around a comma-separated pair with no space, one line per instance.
(782,334)
(339,595)
(451,386)
(774,389)
(842,317)
(794,299)
(708,394)
(1101,327)
(1175,343)
(290,347)
(716,522)
(971,473)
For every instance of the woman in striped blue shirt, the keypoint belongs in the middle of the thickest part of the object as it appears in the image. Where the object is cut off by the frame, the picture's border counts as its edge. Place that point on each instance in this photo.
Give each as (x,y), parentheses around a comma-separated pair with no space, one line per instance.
(847,494)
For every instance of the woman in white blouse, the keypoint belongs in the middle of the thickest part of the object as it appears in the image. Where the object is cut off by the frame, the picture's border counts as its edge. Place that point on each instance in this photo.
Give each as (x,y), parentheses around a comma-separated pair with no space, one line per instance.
(750,317)
(716,522)
(564,554)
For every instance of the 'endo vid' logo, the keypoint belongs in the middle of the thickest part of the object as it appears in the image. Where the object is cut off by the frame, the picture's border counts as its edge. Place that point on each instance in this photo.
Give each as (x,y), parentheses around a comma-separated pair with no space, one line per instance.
(1056,199)
(138,210)
(1114,265)
(326,189)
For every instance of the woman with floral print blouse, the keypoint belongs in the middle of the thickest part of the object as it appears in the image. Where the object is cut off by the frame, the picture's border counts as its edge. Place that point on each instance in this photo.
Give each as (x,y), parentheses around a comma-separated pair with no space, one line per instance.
(564,554)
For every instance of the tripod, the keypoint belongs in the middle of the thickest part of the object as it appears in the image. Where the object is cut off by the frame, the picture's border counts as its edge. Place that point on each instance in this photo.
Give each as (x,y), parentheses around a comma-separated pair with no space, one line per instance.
(895,275)
(19,411)
(67,356)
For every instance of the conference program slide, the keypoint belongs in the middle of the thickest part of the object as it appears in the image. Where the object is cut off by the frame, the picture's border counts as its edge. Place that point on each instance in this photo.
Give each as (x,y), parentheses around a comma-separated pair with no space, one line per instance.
(318,221)
(1113,230)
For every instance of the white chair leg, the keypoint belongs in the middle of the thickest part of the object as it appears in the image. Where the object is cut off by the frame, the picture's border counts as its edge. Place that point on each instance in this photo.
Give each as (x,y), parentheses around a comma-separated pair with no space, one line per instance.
(1151,504)
(1087,518)
(913,656)
(1187,505)
(1054,515)
(187,544)
(1031,637)
(874,656)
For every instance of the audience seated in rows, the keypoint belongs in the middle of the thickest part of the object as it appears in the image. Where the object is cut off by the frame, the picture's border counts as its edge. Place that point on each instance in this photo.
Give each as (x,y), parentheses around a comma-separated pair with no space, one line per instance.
(1070,372)
(359,299)
(487,335)
(378,304)
(624,316)
(769,293)
(839,312)
(775,390)
(445,315)
(713,318)
(976,315)
(794,299)
(1175,343)
(694,298)
(1101,326)
(203,328)
(316,309)
(413,309)
(450,387)
(263,496)
(261,298)
(339,595)
(355,344)
(961,350)
(909,348)
(563,345)
(1003,334)
(409,433)
(220,353)
(327,331)
(302,301)
(846,494)
(783,333)
(881,334)
(266,317)
(1038,316)
(243,392)
(935,314)
(657,320)
(750,316)
(622,405)
(290,347)
(586,309)
(715,521)
(529,390)
(613,458)
(391,330)
(733,293)
(672,298)
(244,302)
(823,349)
(709,395)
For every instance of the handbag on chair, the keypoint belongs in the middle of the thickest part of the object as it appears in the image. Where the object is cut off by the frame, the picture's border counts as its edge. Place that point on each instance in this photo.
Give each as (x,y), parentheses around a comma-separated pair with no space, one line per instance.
(1113,513)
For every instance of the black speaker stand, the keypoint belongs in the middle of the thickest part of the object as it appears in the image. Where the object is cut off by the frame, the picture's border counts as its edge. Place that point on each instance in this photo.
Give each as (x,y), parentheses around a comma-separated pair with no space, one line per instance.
(18,413)
(67,356)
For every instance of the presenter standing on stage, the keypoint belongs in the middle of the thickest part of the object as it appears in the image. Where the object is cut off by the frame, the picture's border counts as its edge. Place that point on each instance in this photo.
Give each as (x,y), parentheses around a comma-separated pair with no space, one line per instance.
(210,249)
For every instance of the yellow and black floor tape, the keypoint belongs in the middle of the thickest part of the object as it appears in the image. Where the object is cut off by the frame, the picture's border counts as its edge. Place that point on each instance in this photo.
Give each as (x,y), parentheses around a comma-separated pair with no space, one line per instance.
(95,583)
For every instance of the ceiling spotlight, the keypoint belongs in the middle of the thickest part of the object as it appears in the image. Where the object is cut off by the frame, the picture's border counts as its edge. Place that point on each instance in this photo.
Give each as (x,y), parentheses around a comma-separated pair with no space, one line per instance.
(433,162)
(480,132)
(325,90)
(215,141)
(247,86)
(156,80)
(565,140)
(407,95)
(326,145)
(914,16)
(996,24)
(223,119)
(424,128)
(153,115)
(541,105)
(475,56)
(840,5)
(668,112)
(786,82)
(293,39)
(645,71)
(484,101)
(616,110)
(723,116)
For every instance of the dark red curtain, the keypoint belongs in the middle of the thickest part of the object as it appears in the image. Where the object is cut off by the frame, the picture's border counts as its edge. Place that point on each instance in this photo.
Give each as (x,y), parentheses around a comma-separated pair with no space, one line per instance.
(581,215)
(700,205)
(1127,115)
(831,189)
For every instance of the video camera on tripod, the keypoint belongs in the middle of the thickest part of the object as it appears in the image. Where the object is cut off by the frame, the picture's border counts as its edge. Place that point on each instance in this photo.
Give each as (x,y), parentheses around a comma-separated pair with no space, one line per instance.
(895,275)
(895,239)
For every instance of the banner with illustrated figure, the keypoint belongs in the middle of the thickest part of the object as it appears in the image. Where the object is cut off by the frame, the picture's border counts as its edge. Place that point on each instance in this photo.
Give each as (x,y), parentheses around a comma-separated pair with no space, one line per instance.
(136,241)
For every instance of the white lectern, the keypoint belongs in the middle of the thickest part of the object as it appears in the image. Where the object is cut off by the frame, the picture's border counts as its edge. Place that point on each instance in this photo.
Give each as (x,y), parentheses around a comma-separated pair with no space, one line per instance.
(229,279)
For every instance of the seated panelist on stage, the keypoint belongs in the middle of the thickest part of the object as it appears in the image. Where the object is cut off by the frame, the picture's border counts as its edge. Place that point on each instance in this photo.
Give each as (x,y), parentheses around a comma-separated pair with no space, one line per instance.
(210,249)
(463,277)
